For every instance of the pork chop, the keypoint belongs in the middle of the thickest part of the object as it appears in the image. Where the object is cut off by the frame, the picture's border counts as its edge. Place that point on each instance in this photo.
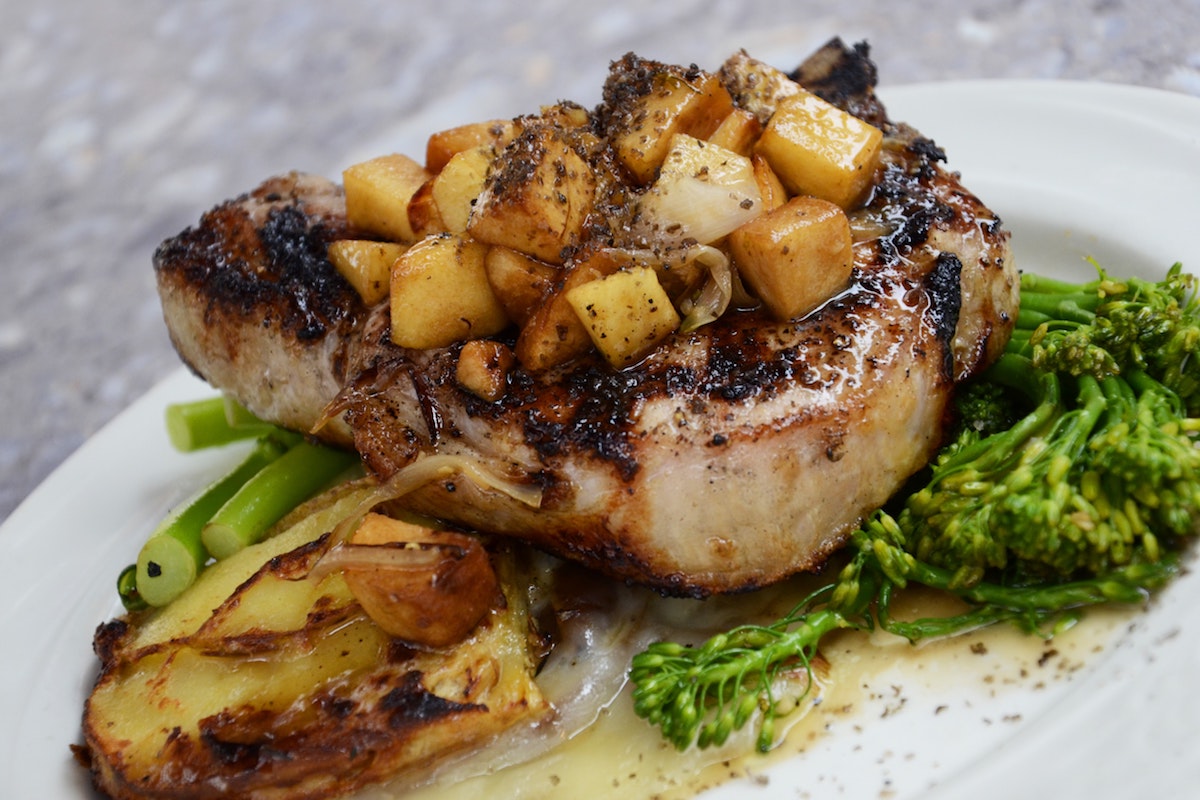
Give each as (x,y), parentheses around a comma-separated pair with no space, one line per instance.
(734,455)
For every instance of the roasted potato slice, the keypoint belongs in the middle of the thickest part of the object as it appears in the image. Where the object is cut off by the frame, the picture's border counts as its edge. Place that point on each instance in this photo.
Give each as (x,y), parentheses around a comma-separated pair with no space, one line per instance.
(322,706)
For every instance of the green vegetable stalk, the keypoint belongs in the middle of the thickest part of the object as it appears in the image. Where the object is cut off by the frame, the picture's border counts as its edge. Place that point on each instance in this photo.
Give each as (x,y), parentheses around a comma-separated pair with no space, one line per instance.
(1073,480)
(280,472)
(174,554)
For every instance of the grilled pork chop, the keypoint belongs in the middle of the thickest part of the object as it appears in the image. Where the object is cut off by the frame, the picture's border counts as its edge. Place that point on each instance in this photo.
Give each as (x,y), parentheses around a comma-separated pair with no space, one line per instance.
(734,455)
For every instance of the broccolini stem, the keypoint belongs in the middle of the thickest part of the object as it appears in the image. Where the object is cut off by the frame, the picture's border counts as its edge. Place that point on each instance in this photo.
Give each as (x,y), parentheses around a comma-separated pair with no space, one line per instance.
(701,695)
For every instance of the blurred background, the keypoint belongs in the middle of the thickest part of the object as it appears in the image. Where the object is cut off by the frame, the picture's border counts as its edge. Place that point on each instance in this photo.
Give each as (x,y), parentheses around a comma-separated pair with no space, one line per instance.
(123,123)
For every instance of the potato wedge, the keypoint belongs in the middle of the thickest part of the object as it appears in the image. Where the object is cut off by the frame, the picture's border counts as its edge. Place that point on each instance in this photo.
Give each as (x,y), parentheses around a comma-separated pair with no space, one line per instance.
(626,314)
(378,192)
(795,257)
(440,294)
(816,148)
(207,707)
(366,264)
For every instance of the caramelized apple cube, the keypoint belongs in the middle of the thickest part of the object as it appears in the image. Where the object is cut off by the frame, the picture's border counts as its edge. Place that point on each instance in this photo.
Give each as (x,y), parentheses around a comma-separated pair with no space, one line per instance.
(795,257)
(770,188)
(537,199)
(755,85)
(626,314)
(366,264)
(458,185)
(518,281)
(378,192)
(737,132)
(820,150)
(667,102)
(444,145)
(440,294)
(482,368)
(554,334)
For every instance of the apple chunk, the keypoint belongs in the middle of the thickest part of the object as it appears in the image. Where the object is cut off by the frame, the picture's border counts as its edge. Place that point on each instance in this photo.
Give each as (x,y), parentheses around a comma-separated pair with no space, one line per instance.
(440,294)
(818,149)
(366,264)
(626,314)
(796,256)
(538,201)
(378,192)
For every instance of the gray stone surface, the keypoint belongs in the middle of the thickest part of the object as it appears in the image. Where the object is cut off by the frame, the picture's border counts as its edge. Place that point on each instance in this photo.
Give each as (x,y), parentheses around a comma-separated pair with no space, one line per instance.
(121,126)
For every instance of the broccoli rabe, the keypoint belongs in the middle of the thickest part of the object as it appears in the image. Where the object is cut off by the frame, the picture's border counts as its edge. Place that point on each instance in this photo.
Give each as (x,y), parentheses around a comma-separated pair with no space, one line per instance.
(1073,479)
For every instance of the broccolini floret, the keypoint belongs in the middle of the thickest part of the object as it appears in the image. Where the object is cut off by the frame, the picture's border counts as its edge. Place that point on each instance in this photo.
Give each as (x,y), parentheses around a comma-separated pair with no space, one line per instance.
(1073,479)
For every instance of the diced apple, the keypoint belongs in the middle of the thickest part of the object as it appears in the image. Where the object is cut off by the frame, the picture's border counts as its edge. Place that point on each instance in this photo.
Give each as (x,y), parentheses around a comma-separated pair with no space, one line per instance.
(820,150)
(458,185)
(554,334)
(671,101)
(424,217)
(518,281)
(443,145)
(366,264)
(737,132)
(378,192)
(755,85)
(482,368)
(537,201)
(440,294)
(626,314)
(795,257)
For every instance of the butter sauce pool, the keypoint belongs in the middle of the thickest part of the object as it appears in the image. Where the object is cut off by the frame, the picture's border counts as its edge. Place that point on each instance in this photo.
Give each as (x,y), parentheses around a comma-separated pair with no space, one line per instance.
(975,689)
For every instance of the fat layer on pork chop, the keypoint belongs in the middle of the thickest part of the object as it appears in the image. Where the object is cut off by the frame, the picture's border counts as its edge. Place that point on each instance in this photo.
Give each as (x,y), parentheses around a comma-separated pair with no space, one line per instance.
(732,456)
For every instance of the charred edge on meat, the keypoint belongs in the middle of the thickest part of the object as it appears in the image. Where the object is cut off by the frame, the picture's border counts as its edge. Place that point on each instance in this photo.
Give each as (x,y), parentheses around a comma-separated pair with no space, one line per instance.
(294,274)
(845,76)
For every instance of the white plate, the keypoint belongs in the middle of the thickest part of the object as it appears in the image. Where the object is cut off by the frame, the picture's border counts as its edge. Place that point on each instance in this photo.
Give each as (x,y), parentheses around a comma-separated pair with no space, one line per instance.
(1075,170)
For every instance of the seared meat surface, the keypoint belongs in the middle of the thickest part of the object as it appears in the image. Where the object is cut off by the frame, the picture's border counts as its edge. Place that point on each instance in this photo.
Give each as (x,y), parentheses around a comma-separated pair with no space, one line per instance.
(734,455)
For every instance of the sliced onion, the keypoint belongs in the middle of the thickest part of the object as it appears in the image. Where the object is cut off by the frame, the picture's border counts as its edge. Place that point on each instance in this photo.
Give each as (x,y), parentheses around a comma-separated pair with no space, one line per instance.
(714,297)
(429,468)
(702,193)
